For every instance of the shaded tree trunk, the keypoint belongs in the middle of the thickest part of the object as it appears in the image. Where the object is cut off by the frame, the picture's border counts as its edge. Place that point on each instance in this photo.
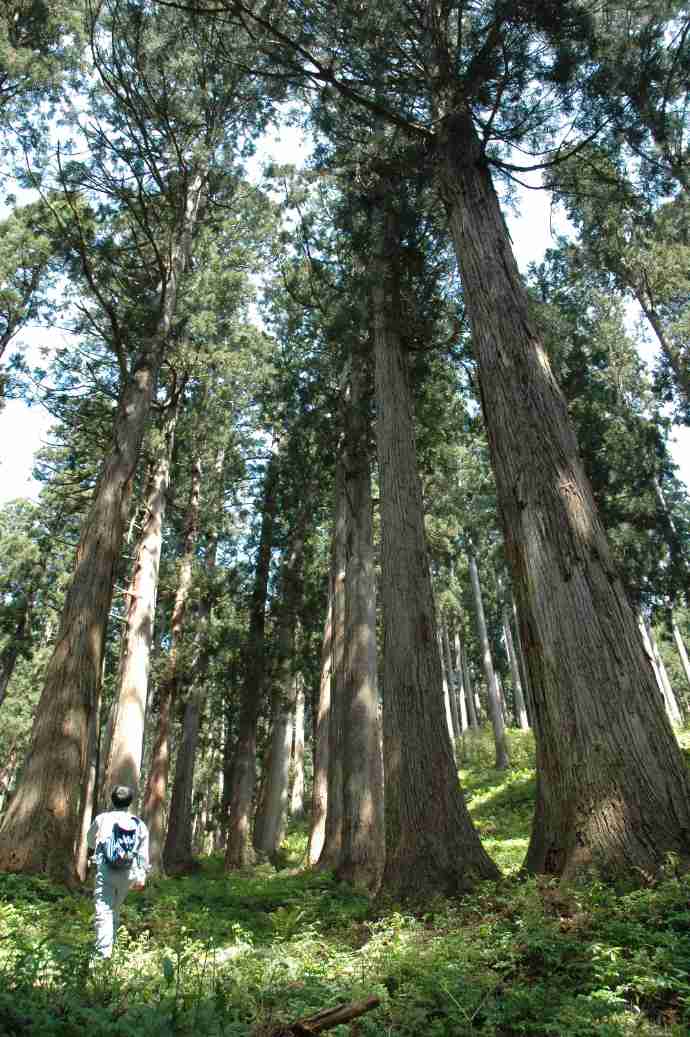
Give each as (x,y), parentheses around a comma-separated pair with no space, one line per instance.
(495,712)
(592,689)
(10,654)
(431,844)
(239,852)
(517,643)
(90,789)
(269,827)
(363,846)
(157,783)
(178,852)
(126,741)
(7,774)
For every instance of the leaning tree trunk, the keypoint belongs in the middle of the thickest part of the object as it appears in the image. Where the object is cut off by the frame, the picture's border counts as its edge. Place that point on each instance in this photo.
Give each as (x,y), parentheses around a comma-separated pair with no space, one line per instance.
(157,783)
(495,712)
(333,830)
(613,786)
(40,829)
(682,651)
(270,821)
(319,801)
(432,846)
(363,846)
(239,852)
(662,681)
(126,741)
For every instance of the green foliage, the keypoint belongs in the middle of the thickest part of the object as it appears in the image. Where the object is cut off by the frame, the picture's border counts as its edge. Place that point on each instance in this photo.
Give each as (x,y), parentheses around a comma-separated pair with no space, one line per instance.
(240,954)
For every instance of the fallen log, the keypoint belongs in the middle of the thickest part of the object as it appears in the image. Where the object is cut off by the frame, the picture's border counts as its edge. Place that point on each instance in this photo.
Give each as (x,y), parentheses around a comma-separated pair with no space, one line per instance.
(327,1019)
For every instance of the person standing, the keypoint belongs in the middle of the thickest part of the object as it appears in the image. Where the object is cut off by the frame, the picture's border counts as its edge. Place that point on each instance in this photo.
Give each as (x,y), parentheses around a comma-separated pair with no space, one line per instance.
(121,844)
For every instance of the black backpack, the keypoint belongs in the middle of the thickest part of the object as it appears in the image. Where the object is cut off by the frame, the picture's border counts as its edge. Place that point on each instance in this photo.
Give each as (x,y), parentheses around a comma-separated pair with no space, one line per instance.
(120,848)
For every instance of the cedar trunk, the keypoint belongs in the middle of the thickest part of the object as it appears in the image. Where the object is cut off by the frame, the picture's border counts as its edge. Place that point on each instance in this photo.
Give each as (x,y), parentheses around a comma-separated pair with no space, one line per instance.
(297,793)
(126,743)
(613,787)
(269,828)
(333,830)
(363,846)
(432,846)
(157,783)
(319,802)
(41,827)
(239,852)
(493,695)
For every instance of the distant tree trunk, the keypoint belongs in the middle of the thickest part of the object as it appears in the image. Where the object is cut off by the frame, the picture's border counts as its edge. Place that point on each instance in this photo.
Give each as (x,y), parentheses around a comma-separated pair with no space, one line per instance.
(520,710)
(663,682)
(592,690)
(126,742)
(333,834)
(40,828)
(239,852)
(10,654)
(363,836)
(682,651)
(517,643)
(177,853)
(468,690)
(432,846)
(269,828)
(446,678)
(297,794)
(319,805)
(459,723)
(7,774)
(460,694)
(495,712)
(157,784)
(225,777)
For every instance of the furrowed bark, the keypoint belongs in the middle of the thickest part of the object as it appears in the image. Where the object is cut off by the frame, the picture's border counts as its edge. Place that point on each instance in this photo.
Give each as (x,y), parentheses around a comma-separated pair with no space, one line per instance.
(157,783)
(431,843)
(613,788)
(363,847)
(126,743)
(239,852)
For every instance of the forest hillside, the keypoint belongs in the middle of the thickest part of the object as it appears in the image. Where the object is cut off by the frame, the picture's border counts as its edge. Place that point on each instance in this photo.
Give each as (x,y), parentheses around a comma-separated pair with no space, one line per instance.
(249,954)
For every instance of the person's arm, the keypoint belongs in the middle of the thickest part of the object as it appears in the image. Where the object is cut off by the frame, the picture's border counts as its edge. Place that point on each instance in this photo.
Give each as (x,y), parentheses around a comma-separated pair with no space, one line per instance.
(92,834)
(144,847)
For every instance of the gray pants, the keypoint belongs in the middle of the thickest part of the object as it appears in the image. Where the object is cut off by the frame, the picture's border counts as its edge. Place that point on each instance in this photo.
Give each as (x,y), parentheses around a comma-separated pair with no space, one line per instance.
(109,892)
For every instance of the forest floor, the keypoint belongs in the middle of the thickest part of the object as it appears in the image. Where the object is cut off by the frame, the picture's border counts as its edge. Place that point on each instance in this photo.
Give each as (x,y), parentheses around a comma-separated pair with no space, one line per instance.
(207,955)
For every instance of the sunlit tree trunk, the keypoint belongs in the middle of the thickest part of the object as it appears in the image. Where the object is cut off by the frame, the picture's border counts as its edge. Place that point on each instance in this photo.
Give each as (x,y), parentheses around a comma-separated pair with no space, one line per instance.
(239,852)
(431,843)
(269,827)
(333,832)
(682,651)
(126,741)
(363,847)
(319,805)
(467,689)
(40,829)
(594,703)
(446,678)
(7,774)
(459,717)
(495,712)
(157,783)
(297,793)
(520,710)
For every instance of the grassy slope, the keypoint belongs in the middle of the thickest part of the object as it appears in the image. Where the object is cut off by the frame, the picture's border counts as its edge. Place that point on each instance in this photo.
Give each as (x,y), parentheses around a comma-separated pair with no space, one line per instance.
(207,955)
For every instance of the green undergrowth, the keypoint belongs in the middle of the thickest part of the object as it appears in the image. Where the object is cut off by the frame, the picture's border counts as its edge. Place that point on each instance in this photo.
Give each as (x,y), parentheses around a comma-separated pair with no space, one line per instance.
(209,955)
